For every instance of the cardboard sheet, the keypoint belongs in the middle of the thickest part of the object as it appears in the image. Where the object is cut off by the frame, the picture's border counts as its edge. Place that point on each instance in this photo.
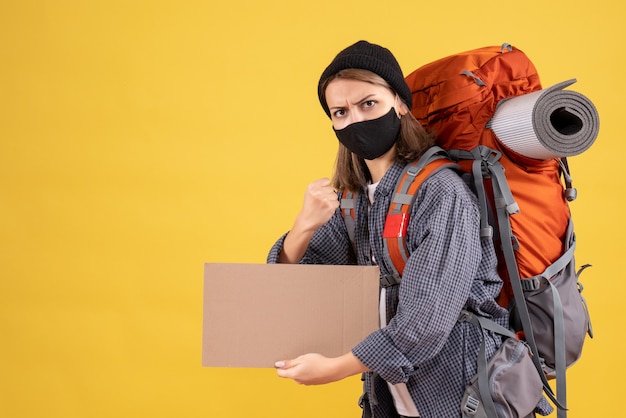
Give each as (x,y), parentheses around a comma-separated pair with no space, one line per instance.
(256,314)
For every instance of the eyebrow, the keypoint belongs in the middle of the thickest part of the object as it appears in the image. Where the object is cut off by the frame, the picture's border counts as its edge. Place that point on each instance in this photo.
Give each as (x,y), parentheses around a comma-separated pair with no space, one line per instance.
(364,99)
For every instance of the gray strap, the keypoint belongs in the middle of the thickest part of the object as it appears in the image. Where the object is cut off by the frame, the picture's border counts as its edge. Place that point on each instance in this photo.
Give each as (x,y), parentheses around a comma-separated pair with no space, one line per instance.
(505,197)
(476,79)
(532,283)
(570,192)
(483,381)
(580,291)
(403,199)
(485,323)
(486,231)
(351,227)
(461,154)
(561,263)
(347,204)
(559,350)
(495,327)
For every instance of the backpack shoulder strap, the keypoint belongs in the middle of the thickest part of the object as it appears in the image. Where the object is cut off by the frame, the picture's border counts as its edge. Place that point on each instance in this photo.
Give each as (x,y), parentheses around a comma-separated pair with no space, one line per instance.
(398,216)
(347,205)
(397,220)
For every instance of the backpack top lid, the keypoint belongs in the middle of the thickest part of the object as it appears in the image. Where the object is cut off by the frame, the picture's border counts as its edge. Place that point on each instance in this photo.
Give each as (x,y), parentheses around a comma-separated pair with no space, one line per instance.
(456,96)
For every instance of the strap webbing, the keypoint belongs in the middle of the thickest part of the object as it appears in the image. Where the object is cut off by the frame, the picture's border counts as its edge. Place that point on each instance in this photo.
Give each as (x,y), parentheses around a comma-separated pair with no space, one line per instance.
(533,283)
(347,206)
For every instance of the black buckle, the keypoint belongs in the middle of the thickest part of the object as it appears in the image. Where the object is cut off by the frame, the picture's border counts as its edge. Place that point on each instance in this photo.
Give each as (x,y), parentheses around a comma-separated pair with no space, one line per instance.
(531,283)
(388,280)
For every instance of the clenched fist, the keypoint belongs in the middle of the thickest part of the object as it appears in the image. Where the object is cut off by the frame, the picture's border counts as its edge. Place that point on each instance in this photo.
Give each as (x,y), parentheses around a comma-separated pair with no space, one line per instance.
(320,202)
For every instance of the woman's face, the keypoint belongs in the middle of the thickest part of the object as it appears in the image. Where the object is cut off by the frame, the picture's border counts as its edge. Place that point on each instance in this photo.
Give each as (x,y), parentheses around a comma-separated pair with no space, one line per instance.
(353,101)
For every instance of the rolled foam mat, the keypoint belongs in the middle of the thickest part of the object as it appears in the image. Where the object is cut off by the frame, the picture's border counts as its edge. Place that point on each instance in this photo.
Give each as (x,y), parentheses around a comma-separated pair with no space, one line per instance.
(548,123)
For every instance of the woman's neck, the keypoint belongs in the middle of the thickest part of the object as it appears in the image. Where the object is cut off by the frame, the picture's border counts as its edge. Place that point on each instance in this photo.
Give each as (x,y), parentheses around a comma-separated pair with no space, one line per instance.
(380,165)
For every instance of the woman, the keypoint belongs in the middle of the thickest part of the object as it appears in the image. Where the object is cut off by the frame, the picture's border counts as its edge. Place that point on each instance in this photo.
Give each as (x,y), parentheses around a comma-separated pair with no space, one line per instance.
(421,359)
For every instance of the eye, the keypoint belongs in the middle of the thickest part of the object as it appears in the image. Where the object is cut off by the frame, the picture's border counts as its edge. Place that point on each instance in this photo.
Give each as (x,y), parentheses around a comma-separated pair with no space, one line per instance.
(339,113)
(369,103)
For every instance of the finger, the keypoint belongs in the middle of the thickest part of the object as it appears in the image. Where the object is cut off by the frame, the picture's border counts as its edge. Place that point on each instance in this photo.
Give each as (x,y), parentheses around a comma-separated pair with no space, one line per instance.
(283,373)
(284,364)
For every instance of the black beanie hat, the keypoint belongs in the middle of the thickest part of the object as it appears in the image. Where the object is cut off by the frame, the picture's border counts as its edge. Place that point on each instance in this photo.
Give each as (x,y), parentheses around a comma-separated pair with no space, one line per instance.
(366,56)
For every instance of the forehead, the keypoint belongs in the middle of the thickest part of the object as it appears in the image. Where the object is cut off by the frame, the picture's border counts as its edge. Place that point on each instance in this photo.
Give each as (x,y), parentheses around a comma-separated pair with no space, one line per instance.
(341,89)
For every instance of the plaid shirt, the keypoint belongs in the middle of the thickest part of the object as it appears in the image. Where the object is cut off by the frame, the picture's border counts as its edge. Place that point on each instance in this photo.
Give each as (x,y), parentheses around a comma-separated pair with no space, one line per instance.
(450,268)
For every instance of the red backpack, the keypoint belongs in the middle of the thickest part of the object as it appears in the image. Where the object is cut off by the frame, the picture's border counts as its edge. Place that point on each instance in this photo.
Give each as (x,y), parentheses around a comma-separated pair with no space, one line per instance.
(524,203)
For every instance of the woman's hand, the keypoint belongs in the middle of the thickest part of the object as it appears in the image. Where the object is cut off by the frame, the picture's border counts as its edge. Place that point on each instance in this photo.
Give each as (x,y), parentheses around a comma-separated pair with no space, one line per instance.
(320,202)
(315,369)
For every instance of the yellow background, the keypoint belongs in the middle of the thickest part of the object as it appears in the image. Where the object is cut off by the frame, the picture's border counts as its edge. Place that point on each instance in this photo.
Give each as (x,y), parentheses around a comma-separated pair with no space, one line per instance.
(140,139)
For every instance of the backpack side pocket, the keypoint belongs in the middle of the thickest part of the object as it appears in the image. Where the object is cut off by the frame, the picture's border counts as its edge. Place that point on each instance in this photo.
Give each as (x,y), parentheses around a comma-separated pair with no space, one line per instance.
(514,387)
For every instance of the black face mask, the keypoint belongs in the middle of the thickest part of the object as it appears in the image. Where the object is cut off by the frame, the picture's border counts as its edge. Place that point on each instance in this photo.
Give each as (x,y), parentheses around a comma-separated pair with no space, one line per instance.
(370,139)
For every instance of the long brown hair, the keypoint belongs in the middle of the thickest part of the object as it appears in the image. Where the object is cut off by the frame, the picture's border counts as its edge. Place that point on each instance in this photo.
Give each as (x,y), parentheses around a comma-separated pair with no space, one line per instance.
(351,172)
